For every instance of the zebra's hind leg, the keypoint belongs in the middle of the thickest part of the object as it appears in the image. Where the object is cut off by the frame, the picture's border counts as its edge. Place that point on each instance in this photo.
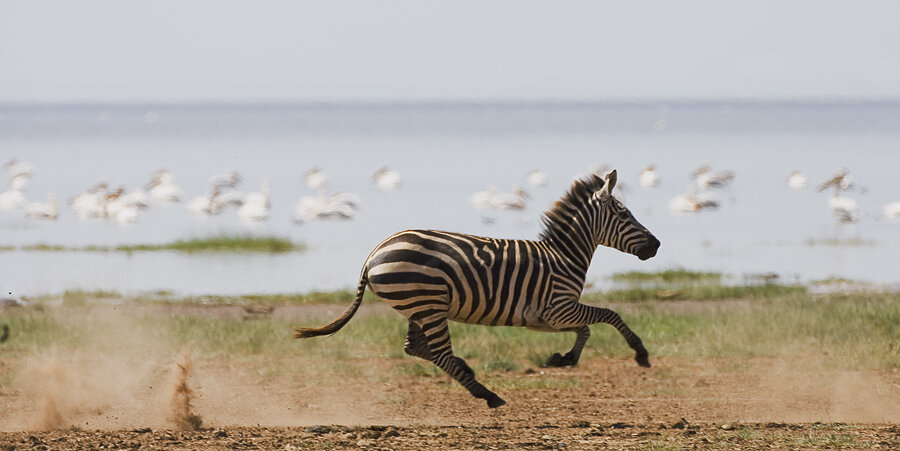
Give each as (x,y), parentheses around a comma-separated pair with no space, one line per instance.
(571,357)
(416,344)
(437,335)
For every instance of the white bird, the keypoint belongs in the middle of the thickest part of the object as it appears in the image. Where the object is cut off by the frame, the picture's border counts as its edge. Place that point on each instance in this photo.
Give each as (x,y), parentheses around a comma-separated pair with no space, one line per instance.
(255,206)
(230,179)
(892,210)
(43,211)
(12,199)
(205,204)
(386,179)
(91,203)
(15,168)
(691,202)
(706,178)
(648,177)
(322,206)
(840,181)
(797,180)
(493,199)
(121,208)
(536,178)
(315,179)
(845,208)
(162,189)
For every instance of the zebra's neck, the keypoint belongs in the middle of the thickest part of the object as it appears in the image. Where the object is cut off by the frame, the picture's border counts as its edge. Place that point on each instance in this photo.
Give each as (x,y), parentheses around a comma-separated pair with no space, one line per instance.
(573,240)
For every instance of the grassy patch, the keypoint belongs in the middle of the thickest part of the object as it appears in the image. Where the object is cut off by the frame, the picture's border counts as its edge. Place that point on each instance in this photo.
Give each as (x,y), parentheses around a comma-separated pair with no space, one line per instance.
(668,276)
(43,247)
(701,292)
(842,331)
(223,243)
(848,242)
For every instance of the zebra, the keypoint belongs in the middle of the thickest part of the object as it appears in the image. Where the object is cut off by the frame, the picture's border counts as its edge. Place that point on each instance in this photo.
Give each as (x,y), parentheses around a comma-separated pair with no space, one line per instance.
(432,276)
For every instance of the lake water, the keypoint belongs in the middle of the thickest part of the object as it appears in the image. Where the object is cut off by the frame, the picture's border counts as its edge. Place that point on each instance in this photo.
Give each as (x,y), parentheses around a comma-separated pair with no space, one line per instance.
(446,152)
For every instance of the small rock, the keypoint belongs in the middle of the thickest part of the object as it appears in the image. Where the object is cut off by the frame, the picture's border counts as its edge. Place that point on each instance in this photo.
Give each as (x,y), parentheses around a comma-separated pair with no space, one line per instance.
(727,427)
(681,424)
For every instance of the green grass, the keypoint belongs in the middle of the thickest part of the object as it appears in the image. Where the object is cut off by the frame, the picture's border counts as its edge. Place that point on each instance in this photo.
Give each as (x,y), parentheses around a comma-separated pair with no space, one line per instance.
(700,292)
(848,242)
(223,243)
(43,247)
(846,331)
(677,275)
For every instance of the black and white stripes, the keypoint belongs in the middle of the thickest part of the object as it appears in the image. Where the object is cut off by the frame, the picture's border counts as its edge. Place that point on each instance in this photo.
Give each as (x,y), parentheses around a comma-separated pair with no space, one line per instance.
(431,277)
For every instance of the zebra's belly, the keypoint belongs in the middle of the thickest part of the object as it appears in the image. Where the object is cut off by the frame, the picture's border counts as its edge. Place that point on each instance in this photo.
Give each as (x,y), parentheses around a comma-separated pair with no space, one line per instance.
(492,313)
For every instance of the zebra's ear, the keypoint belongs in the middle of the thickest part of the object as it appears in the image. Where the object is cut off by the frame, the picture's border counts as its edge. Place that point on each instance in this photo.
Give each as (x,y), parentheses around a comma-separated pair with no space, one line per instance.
(610,183)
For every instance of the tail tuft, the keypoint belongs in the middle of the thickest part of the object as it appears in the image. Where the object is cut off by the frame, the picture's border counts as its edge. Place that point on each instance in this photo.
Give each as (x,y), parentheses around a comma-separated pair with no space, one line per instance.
(302,332)
(336,325)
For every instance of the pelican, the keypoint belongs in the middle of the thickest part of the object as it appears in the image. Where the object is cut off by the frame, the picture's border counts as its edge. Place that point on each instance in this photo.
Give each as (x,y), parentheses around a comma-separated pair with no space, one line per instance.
(315,179)
(162,189)
(493,199)
(91,203)
(648,177)
(230,179)
(255,206)
(706,178)
(797,180)
(15,168)
(12,199)
(322,206)
(536,178)
(691,202)
(43,211)
(122,208)
(840,181)
(204,205)
(845,208)
(385,179)
(892,210)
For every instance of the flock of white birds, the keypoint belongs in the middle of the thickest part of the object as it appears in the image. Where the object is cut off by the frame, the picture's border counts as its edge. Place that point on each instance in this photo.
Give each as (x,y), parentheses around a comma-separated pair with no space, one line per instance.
(122,207)
(116,205)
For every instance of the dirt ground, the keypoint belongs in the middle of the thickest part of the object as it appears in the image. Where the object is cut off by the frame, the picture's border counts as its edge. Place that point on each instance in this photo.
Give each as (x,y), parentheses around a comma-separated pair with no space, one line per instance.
(759,403)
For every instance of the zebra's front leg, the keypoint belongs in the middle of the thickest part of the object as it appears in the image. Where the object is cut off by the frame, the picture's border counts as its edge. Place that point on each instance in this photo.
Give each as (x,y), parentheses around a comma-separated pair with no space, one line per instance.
(575,315)
(571,357)
(437,335)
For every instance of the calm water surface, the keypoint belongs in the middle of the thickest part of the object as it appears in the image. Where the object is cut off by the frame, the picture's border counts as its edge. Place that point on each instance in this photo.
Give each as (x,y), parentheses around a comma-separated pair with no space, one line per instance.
(445,153)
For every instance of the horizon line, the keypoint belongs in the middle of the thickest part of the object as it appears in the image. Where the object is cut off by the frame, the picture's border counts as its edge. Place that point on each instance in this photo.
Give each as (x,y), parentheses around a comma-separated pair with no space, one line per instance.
(503,102)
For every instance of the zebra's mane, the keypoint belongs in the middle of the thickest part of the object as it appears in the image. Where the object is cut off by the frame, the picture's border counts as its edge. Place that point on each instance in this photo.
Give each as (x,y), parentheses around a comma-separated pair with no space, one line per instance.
(560,215)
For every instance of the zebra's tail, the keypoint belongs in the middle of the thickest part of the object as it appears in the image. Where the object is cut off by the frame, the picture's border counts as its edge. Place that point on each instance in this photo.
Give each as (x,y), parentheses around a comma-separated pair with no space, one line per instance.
(336,325)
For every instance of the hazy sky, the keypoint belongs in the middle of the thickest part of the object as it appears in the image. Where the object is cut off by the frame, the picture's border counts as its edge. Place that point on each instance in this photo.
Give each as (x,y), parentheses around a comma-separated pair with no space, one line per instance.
(217,50)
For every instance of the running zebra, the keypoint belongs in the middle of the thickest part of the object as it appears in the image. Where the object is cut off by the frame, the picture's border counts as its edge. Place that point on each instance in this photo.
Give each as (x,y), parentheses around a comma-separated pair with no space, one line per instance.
(431,277)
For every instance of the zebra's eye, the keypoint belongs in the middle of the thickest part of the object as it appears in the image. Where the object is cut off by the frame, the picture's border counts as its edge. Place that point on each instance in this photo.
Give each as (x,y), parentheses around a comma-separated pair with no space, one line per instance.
(622,215)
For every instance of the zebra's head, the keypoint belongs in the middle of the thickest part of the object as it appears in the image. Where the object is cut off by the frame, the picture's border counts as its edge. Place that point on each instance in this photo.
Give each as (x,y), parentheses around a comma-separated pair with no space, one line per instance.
(614,225)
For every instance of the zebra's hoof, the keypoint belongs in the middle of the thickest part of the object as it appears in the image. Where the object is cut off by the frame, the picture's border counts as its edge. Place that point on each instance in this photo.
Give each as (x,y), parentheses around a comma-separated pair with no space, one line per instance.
(643,360)
(557,360)
(495,401)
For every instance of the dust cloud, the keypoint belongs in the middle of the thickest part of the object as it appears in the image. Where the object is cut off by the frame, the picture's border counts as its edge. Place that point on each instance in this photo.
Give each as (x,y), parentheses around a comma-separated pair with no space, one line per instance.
(122,374)
(183,396)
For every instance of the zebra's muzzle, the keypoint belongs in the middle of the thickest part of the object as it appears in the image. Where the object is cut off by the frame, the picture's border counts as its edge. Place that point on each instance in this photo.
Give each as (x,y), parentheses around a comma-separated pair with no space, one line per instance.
(649,249)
